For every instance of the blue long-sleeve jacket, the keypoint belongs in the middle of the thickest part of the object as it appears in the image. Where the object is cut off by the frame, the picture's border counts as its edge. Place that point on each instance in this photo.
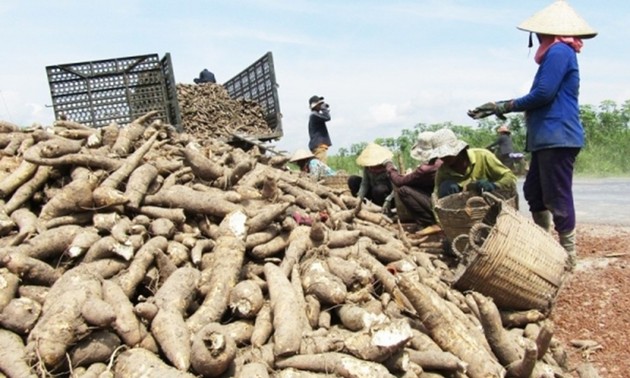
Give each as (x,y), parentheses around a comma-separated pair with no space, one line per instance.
(552,113)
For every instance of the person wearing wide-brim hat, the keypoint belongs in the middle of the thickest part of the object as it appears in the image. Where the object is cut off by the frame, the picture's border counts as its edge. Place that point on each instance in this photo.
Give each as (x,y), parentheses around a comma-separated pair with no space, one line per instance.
(374,185)
(503,145)
(465,169)
(308,163)
(415,188)
(319,138)
(555,134)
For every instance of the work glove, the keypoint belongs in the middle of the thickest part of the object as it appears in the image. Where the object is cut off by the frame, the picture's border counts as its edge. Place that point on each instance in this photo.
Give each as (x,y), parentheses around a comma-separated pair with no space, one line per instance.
(498,108)
(484,186)
(446,189)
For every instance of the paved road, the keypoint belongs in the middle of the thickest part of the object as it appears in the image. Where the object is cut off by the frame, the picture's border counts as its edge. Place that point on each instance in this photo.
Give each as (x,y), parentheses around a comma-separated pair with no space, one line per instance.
(597,200)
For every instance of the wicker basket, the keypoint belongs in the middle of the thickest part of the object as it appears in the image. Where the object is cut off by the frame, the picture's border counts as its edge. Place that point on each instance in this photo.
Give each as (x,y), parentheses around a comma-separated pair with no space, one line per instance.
(338,182)
(458,212)
(513,261)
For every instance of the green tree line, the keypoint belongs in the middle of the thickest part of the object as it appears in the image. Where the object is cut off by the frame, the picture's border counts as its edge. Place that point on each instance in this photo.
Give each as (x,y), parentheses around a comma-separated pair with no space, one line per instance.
(606,152)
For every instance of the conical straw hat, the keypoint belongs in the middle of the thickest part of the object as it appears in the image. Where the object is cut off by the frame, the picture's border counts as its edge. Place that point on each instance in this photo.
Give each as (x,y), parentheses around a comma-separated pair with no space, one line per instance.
(558,19)
(373,155)
(301,155)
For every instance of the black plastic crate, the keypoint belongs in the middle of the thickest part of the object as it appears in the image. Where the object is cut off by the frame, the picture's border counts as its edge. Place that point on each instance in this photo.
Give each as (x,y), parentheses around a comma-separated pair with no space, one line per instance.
(258,83)
(119,90)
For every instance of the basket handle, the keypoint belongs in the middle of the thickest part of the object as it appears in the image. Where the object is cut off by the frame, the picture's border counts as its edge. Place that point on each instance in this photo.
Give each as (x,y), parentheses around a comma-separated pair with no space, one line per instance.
(474,203)
(459,254)
(474,230)
(491,198)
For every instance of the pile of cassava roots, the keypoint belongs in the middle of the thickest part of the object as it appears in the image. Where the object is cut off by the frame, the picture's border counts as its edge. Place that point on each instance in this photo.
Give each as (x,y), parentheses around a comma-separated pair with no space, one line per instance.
(139,251)
(208,112)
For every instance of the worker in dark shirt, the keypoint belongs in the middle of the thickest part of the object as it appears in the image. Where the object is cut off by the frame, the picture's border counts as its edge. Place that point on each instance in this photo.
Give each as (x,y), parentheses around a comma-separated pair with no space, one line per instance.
(205,76)
(502,146)
(319,141)
(373,185)
(414,189)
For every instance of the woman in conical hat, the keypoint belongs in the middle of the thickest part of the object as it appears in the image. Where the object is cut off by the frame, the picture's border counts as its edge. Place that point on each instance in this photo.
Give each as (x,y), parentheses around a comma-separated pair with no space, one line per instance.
(308,163)
(554,132)
(374,185)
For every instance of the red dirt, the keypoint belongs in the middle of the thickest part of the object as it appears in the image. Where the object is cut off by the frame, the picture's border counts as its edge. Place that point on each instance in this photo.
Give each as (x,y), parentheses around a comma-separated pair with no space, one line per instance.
(594,304)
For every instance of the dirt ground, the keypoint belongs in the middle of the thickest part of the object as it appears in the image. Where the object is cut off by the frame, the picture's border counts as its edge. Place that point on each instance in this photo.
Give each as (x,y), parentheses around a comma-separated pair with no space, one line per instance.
(592,311)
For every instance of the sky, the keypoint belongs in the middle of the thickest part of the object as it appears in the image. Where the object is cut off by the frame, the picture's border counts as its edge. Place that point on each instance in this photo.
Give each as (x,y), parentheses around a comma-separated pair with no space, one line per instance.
(383,66)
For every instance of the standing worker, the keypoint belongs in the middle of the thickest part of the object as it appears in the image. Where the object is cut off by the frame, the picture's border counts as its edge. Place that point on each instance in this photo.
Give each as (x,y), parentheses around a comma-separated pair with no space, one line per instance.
(319,141)
(503,146)
(555,134)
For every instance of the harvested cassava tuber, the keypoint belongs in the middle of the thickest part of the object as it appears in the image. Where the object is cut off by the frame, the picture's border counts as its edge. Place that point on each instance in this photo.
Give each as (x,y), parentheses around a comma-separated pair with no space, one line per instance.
(141,363)
(379,341)
(448,332)
(286,320)
(8,286)
(20,315)
(98,346)
(246,299)
(230,253)
(127,325)
(13,356)
(73,197)
(254,370)
(213,350)
(263,326)
(193,201)
(318,281)
(338,363)
(138,185)
(107,193)
(62,323)
(135,273)
(170,332)
(18,177)
(27,190)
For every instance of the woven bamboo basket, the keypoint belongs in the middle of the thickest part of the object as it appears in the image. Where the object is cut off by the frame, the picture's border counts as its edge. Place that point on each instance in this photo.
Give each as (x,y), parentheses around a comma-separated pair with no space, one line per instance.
(513,261)
(338,182)
(458,212)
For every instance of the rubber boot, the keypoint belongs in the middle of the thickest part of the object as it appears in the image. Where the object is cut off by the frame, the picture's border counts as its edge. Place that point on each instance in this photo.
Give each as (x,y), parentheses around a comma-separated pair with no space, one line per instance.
(567,241)
(543,219)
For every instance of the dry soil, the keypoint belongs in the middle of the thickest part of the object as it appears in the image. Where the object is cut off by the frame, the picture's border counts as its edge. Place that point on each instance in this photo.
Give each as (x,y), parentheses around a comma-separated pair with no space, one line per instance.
(592,312)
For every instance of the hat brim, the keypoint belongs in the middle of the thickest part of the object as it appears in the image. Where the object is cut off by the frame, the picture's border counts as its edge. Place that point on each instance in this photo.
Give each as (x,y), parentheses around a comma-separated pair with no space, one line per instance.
(374,155)
(451,149)
(558,19)
(421,156)
(301,155)
(313,105)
